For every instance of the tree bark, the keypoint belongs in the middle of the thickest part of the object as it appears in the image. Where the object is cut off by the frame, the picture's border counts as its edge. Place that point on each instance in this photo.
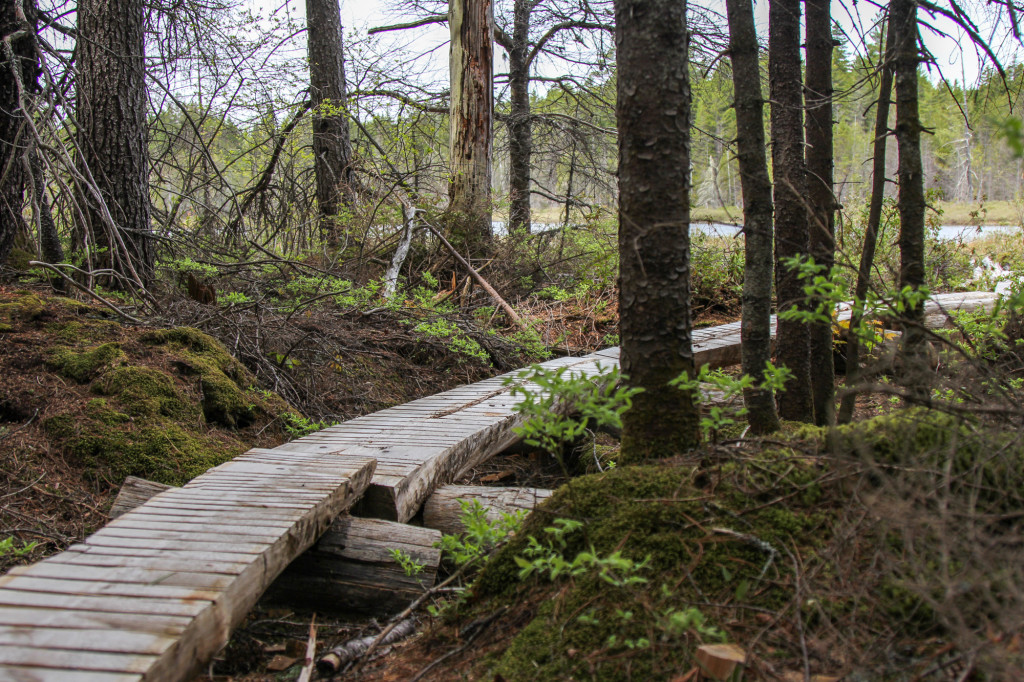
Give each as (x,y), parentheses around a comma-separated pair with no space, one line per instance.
(911,204)
(332,145)
(867,256)
(653,114)
(471,63)
(755,328)
(820,193)
(791,235)
(112,137)
(19,71)
(520,126)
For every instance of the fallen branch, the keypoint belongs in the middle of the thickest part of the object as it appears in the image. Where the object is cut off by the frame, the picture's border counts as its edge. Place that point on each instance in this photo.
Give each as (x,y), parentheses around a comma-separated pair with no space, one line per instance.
(513,315)
(307,664)
(86,289)
(332,662)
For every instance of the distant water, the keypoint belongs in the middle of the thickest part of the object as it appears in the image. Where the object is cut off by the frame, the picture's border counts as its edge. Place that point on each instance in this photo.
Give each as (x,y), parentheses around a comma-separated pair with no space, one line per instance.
(946,232)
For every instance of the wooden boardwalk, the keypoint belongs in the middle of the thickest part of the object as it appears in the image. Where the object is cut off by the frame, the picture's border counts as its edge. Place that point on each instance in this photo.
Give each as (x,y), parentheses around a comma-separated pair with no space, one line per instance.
(157,591)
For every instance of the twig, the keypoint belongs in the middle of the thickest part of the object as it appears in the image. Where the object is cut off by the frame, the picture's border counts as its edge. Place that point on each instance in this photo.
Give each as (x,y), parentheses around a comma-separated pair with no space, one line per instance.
(332,662)
(326,665)
(307,665)
(88,291)
(513,315)
(8,434)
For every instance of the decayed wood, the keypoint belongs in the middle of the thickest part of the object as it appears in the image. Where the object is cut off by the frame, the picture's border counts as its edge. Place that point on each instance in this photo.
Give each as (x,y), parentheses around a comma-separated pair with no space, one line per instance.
(721,662)
(333,661)
(134,491)
(351,568)
(182,585)
(443,511)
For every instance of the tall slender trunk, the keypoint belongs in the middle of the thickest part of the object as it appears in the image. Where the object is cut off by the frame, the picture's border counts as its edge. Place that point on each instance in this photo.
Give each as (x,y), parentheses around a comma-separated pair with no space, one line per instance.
(471,64)
(791,234)
(19,68)
(332,145)
(911,204)
(755,328)
(520,125)
(112,136)
(867,256)
(820,193)
(653,114)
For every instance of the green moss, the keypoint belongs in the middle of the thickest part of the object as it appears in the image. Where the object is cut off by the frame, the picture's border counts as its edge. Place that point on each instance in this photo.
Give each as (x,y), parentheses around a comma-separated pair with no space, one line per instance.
(83,366)
(109,448)
(699,548)
(5,328)
(147,392)
(228,398)
(26,307)
(18,259)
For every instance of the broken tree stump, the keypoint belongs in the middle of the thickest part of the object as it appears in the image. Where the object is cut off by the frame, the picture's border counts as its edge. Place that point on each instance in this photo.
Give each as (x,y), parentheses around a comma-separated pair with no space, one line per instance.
(349,568)
(443,512)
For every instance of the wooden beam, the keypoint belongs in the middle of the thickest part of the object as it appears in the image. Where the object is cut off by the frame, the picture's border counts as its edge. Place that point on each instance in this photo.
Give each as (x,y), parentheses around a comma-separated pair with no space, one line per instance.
(443,511)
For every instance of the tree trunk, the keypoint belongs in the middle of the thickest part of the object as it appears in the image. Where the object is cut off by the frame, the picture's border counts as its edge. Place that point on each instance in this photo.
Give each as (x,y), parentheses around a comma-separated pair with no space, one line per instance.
(903,15)
(520,126)
(867,256)
(471,63)
(19,69)
(757,212)
(332,146)
(820,193)
(653,114)
(791,234)
(112,137)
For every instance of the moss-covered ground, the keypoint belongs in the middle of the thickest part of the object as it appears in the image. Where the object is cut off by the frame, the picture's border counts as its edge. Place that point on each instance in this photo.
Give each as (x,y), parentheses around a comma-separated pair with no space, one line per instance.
(823,549)
(86,401)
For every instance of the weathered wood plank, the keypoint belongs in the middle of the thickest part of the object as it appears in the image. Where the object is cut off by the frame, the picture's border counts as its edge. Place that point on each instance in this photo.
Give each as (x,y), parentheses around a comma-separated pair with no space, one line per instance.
(26,674)
(443,511)
(167,574)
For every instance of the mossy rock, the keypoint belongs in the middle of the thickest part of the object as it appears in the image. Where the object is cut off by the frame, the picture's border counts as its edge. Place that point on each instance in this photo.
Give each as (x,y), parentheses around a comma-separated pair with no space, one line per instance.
(26,307)
(228,396)
(83,366)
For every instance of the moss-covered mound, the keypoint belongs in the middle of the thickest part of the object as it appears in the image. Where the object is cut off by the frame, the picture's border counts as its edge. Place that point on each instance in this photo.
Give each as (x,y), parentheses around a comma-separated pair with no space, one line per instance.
(676,550)
(116,401)
(863,550)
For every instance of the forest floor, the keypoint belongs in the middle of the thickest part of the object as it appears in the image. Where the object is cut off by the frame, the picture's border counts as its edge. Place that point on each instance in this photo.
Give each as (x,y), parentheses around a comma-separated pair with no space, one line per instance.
(866,553)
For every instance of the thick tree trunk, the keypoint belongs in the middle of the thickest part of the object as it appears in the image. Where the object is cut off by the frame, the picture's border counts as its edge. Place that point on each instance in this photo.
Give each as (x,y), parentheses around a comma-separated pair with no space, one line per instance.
(520,126)
(791,234)
(111,111)
(653,114)
(332,146)
(867,256)
(471,63)
(903,15)
(757,212)
(19,69)
(820,193)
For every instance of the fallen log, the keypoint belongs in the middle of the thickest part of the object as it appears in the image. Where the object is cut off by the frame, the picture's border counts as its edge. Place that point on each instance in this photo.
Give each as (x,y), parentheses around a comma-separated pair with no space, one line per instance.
(443,512)
(351,567)
(334,660)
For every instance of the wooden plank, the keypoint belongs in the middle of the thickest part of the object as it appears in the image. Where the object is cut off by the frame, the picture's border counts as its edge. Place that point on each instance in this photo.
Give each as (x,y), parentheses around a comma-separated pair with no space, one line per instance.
(25,674)
(64,618)
(51,586)
(127,574)
(86,639)
(76,660)
(134,492)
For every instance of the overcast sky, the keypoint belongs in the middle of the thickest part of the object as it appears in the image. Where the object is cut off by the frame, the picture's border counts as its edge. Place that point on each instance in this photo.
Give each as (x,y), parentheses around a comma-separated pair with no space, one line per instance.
(955,56)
